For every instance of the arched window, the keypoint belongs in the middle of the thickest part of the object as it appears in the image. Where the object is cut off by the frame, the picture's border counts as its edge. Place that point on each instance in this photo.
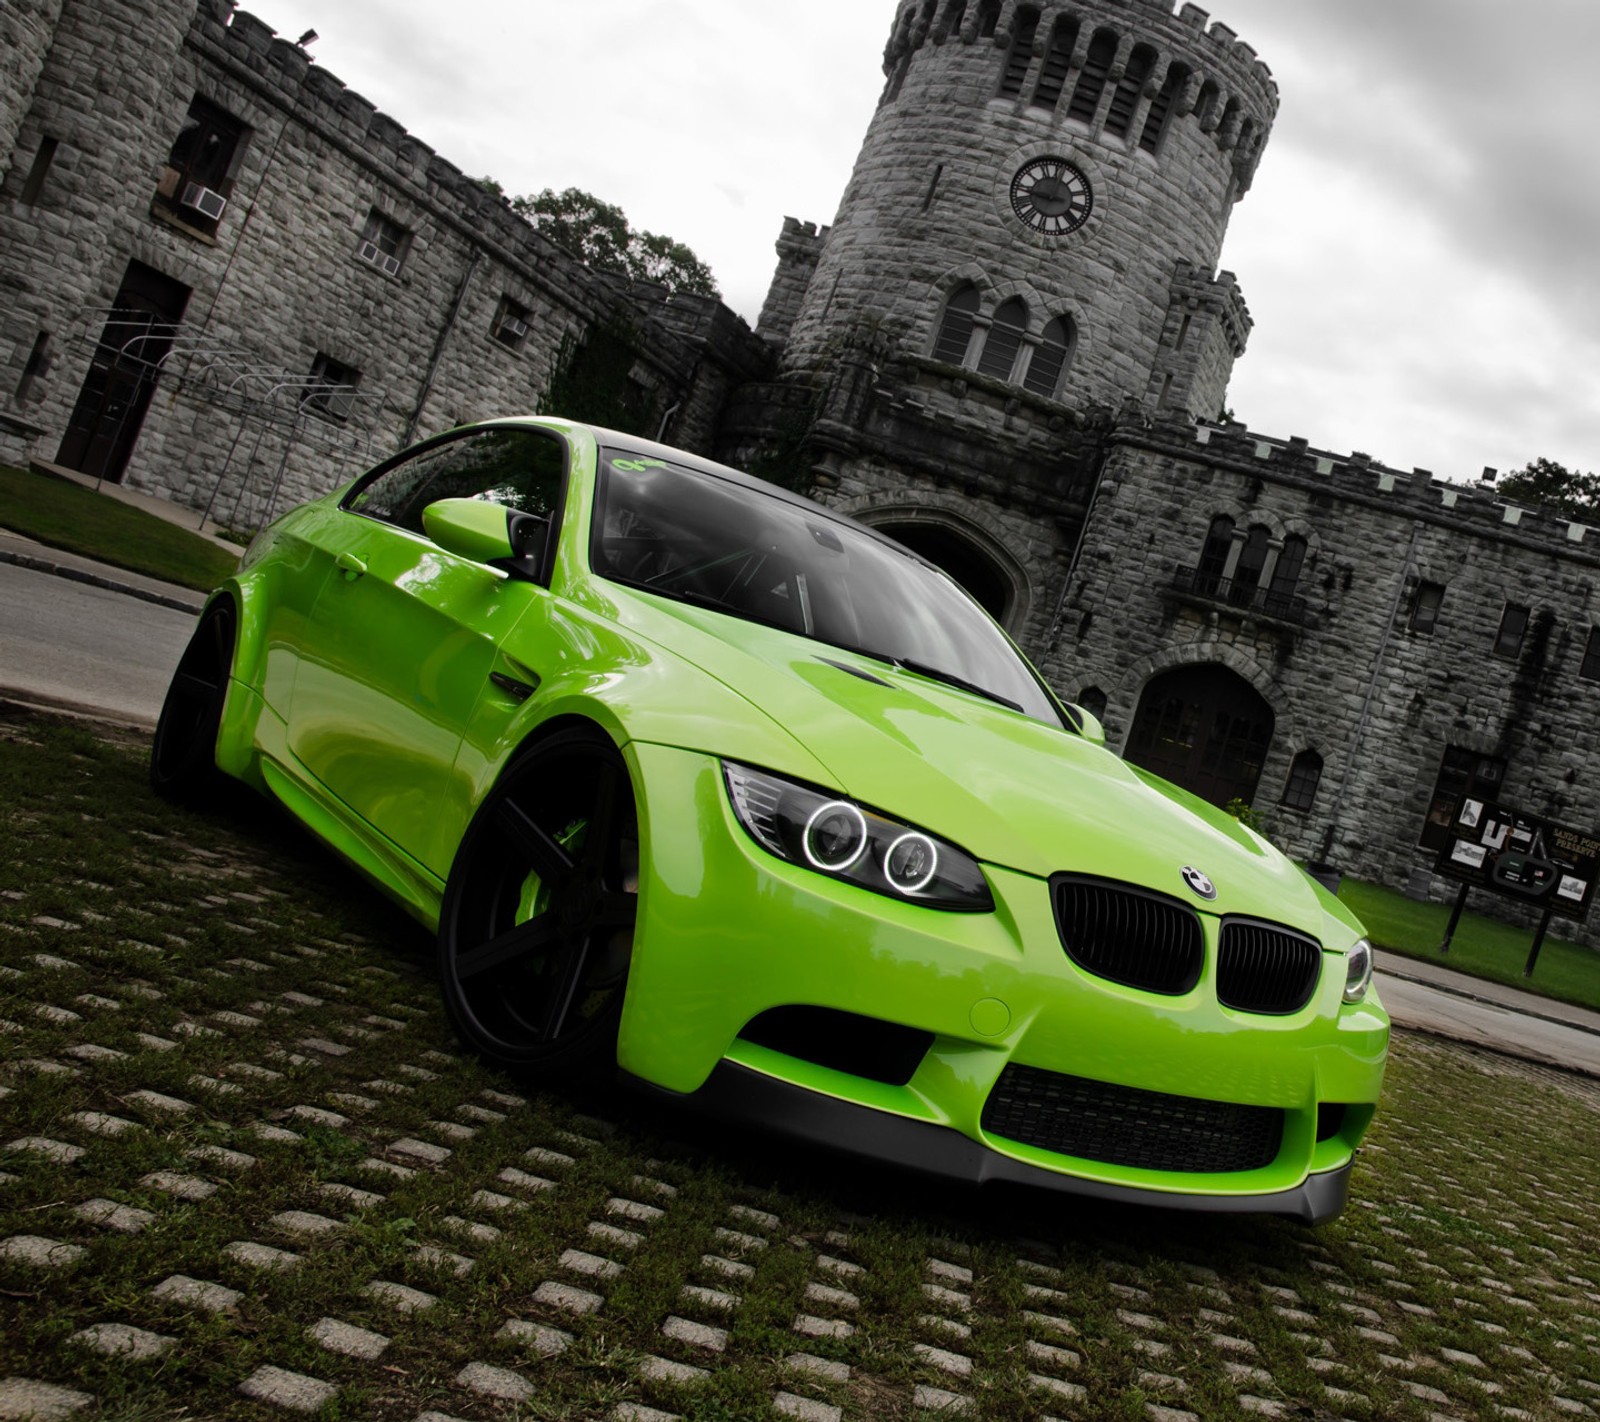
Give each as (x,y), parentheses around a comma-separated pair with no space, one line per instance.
(1214,554)
(1155,122)
(1093,700)
(1092,81)
(1019,58)
(1286,575)
(1205,107)
(1125,98)
(1305,774)
(1229,113)
(999,355)
(988,18)
(954,13)
(1247,571)
(955,326)
(1049,358)
(1057,60)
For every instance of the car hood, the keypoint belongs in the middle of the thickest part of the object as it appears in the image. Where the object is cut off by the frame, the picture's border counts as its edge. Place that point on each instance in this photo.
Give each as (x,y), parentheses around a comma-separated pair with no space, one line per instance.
(1008,789)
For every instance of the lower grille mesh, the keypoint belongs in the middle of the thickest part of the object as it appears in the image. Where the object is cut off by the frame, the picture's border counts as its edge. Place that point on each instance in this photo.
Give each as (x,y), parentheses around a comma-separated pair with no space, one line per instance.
(1122,1125)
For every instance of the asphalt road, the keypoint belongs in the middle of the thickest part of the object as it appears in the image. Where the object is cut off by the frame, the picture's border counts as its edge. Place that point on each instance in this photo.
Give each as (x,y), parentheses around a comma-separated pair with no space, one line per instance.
(69,644)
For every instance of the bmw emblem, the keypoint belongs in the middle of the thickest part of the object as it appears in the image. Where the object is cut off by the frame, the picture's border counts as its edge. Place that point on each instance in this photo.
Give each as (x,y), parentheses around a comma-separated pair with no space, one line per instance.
(1198,882)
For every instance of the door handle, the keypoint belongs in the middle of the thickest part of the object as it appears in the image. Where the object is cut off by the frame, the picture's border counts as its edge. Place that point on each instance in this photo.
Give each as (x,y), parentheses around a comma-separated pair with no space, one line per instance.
(351,566)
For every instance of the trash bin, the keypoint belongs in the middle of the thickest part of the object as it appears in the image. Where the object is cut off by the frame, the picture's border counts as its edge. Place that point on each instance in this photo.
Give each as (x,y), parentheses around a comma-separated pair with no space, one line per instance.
(1326,875)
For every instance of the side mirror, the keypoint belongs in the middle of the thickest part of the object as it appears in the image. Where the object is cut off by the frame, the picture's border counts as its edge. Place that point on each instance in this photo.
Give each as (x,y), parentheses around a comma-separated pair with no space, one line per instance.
(1088,724)
(486,533)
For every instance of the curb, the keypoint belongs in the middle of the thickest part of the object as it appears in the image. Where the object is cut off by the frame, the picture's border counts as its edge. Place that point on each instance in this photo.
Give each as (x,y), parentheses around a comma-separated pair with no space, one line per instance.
(79,575)
(1512,1052)
(33,703)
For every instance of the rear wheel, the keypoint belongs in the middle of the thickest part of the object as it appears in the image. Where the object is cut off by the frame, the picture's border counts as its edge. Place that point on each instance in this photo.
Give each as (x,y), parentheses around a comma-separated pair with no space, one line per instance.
(183,756)
(536,929)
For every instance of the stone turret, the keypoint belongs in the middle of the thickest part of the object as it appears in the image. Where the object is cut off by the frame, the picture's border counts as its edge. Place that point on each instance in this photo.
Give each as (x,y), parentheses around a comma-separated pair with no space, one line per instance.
(25,30)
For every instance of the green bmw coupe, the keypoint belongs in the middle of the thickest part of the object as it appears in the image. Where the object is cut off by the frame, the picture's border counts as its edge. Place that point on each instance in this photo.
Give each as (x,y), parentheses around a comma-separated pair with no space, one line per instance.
(703,784)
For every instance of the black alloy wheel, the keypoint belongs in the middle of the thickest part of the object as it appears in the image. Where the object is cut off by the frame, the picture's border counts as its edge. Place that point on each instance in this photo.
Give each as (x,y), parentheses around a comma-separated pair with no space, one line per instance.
(183,755)
(536,929)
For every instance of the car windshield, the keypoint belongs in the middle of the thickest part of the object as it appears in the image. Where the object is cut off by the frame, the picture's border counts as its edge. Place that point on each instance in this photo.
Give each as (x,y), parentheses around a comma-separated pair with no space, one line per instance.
(695,537)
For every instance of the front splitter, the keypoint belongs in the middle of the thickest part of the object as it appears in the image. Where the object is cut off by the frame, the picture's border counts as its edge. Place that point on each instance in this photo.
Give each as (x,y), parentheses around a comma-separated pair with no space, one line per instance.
(736,1093)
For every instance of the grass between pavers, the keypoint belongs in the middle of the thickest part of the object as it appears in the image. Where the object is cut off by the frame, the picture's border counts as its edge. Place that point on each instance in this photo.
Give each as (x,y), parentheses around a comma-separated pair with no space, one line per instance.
(1482,947)
(1463,1282)
(67,515)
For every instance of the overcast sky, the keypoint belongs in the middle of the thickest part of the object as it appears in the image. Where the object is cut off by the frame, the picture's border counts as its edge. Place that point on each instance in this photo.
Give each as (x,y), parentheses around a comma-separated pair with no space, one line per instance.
(1418,249)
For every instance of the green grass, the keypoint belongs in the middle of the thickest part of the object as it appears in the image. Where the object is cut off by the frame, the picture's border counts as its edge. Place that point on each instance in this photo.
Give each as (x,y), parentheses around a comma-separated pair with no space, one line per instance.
(67,515)
(223,954)
(1483,947)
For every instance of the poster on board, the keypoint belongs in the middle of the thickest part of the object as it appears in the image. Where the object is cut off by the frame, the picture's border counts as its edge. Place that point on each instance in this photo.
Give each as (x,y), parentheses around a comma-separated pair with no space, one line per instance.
(1522,856)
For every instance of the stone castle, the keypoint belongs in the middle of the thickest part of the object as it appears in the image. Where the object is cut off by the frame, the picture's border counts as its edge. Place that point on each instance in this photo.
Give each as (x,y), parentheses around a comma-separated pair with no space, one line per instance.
(230,280)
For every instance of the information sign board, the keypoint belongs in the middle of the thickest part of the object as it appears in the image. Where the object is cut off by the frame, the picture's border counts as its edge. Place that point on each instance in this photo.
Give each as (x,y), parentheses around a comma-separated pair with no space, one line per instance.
(1522,856)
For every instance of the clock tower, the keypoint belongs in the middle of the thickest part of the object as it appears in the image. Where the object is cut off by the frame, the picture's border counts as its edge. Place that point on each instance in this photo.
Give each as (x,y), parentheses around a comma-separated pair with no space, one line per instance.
(1072,165)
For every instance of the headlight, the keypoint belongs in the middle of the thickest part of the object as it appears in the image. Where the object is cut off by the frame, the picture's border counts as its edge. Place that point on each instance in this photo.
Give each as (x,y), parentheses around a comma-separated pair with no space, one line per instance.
(847,841)
(1357,971)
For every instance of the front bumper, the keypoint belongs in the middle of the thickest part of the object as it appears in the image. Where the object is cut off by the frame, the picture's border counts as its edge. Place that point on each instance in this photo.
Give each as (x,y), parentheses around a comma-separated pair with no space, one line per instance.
(727,932)
(739,1095)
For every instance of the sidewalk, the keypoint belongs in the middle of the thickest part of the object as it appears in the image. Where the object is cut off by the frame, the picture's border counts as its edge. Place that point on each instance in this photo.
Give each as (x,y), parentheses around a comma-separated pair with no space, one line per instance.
(1528,1004)
(26,553)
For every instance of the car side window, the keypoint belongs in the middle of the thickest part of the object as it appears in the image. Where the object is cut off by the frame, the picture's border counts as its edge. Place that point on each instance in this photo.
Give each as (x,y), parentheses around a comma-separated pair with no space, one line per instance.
(520,468)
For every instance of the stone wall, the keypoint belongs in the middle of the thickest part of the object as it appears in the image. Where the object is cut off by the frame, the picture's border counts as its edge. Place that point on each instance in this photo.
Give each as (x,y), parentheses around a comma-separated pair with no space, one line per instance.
(98,90)
(285,278)
(1352,679)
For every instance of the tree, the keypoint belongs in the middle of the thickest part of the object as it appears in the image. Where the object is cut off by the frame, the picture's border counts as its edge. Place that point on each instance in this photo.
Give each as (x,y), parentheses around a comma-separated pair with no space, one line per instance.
(599,234)
(1549,485)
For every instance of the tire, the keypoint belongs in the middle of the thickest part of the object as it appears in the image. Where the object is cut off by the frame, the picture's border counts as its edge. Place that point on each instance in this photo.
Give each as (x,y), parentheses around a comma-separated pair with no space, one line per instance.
(183,756)
(536,929)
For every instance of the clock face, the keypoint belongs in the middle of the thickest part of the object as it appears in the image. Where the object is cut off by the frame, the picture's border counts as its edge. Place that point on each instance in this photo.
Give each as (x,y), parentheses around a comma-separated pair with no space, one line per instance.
(1051,196)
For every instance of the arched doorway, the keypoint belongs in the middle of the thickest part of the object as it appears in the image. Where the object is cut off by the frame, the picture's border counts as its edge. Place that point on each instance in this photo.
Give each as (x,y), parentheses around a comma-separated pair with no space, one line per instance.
(968,564)
(1204,728)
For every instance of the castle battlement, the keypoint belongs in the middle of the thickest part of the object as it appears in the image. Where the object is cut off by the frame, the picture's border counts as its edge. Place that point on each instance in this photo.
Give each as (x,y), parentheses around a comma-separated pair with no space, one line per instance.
(1214,47)
(343,114)
(1358,477)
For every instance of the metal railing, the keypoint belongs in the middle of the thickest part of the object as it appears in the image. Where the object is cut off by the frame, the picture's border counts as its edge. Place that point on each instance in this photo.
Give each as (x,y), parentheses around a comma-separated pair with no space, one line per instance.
(1241,595)
(298,410)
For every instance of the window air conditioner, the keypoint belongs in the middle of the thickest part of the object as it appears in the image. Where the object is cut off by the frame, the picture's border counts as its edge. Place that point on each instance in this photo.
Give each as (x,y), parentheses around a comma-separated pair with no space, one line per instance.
(514,327)
(207,203)
(372,252)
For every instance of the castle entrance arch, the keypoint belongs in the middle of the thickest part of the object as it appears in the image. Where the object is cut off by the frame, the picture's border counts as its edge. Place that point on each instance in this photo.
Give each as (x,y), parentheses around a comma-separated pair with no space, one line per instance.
(1205,728)
(969,565)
